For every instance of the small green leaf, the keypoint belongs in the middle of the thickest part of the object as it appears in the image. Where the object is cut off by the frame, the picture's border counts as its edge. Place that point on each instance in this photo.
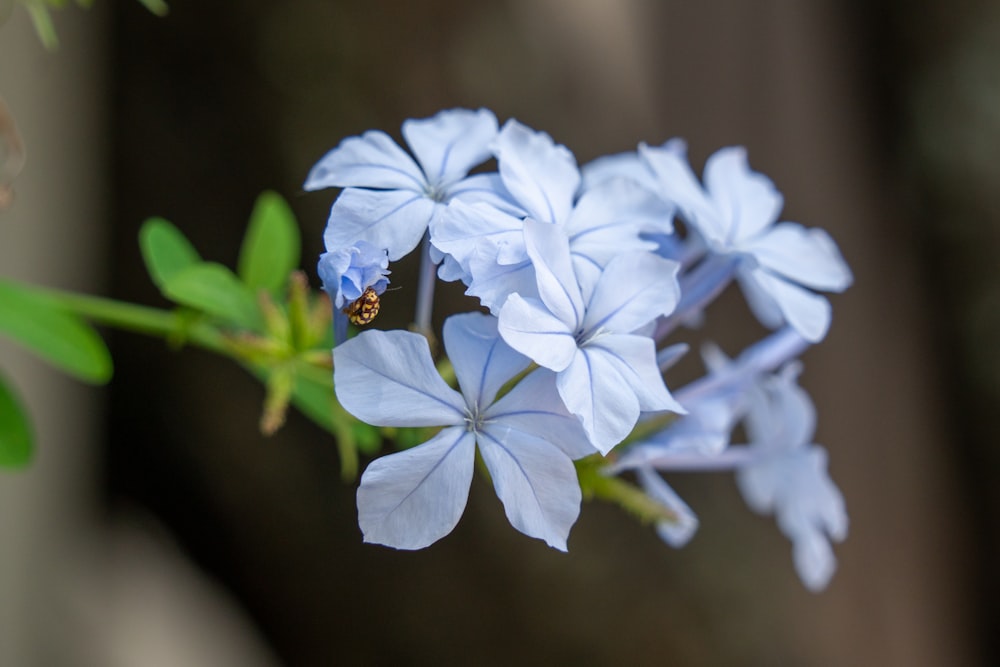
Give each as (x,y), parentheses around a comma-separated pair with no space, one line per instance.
(279,390)
(16,440)
(214,289)
(158,7)
(43,26)
(165,250)
(55,335)
(271,246)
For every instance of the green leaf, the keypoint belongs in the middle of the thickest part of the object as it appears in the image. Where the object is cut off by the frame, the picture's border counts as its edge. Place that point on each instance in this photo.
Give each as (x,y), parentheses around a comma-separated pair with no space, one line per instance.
(271,246)
(165,250)
(62,339)
(158,7)
(43,26)
(16,440)
(214,289)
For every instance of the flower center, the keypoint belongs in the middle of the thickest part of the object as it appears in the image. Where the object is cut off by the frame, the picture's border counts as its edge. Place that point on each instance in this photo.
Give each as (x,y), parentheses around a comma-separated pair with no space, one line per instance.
(436,192)
(473,419)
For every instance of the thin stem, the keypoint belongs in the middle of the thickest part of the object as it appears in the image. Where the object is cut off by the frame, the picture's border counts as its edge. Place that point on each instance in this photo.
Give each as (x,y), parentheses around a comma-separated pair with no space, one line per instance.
(425,290)
(595,484)
(763,356)
(140,319)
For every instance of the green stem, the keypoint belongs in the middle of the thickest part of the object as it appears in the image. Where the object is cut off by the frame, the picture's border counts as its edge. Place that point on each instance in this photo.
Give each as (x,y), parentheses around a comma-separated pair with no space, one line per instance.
(595,484)
(140,319)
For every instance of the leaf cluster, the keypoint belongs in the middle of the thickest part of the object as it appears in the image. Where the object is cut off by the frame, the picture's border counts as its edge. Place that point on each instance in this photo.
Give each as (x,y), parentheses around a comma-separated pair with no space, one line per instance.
(263,315)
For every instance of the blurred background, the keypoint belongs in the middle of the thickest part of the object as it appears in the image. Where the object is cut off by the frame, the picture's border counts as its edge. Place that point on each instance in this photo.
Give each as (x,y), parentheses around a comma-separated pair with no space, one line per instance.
(158,527)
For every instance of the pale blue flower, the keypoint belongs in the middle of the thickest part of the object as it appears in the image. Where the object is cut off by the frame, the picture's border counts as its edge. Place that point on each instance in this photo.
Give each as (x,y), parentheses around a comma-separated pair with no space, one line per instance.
(527,439)
(347,272)
(714,404)
(390,198)
(542,182)
(781,472)
(779,263)
(606,374)
(787,476)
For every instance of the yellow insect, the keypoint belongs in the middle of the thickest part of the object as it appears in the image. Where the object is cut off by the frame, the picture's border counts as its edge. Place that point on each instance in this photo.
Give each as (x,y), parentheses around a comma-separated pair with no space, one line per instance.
(363,310)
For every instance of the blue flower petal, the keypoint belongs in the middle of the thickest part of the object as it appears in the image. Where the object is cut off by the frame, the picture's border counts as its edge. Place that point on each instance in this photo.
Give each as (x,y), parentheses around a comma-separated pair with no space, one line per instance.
(485,188)
(635,360)
(747,202)
(633,290)
(806,312)
(805,256)
(483,362)
(387,378)
(493,282)
(678,184)
(465,230)
(608,221)
(411,499)
(594,390)
(392,219)
(548,248)
(541,176)
(529,327)
(451,142)
(535,481)
(534,407)
(620,165)
(372,160)
(676,533)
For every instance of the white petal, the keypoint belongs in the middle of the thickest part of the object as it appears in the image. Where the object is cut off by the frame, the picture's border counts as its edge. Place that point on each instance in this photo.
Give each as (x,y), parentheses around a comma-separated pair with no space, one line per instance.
(487,189)
(676,533)
(806,312)
(534,407)
(548,248)
(805,256)
(759,485)
(449,270)
(413,498)
(483,362)
(814,560)
(760,301)
(781,414)
(633,290)
(678,185)
(634,357)
(451,143)
(746,200)
(620,165)
(372,160)
(535,481)
(594,390)
(463,230)
(392,219)
(387,378)
(493,282)
(540,175)
(615,204)
(607,221)
(529,328)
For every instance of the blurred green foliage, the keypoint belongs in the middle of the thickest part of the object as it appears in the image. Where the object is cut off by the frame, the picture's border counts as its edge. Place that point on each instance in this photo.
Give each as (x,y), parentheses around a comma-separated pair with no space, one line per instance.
(40,11)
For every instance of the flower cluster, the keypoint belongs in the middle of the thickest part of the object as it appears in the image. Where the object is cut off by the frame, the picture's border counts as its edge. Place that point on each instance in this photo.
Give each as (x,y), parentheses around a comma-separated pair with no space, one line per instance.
(583,278)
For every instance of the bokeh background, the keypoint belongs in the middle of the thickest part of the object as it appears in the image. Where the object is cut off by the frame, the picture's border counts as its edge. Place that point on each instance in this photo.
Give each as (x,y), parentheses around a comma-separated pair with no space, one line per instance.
(158,527)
